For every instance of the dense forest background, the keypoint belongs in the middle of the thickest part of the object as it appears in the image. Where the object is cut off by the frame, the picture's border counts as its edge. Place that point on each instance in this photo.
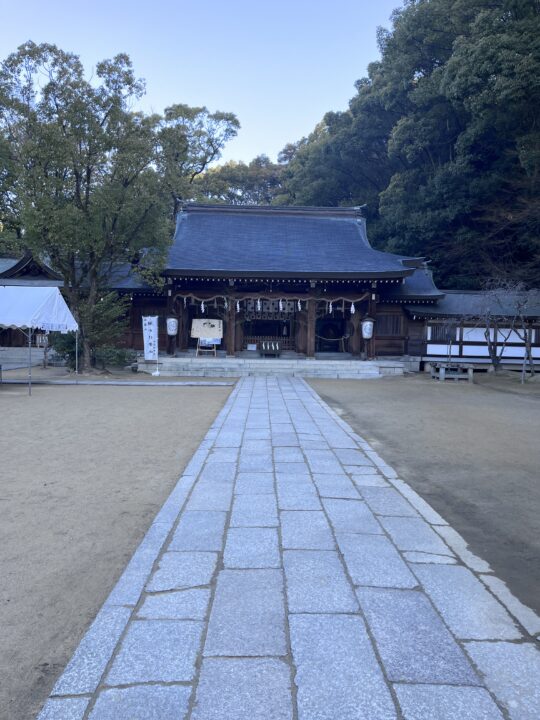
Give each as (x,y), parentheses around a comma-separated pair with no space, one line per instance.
(441,142)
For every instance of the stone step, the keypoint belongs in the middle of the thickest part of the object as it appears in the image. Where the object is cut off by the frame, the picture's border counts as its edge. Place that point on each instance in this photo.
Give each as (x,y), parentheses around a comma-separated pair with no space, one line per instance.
(241,367)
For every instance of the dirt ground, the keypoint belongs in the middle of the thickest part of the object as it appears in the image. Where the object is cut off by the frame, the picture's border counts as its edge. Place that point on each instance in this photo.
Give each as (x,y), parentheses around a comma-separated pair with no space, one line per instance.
(473,453)
(84,470)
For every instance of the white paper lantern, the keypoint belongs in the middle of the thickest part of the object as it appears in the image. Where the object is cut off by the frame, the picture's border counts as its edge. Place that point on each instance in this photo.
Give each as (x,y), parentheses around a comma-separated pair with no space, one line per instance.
(367,328)
(172,326)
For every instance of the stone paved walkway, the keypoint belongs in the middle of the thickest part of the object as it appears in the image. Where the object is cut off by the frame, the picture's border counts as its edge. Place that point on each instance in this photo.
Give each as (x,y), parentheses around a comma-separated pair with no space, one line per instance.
(291,575)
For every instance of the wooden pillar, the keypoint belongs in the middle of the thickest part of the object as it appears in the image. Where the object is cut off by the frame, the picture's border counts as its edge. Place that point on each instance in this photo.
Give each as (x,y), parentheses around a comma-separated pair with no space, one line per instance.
(231,328)
(356,339)
(311,321)
(372,312)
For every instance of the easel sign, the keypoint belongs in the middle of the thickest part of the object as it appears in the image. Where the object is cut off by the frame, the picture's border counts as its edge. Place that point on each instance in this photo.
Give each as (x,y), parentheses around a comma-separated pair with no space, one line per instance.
(208,333)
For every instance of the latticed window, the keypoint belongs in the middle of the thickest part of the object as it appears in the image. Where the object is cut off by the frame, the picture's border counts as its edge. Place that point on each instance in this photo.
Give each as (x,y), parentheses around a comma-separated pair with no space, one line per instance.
(386,325)
(443,333)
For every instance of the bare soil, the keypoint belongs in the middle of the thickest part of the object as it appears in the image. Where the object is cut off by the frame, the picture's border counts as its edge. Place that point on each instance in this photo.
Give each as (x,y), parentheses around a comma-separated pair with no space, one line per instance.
(471,450)
(83,472)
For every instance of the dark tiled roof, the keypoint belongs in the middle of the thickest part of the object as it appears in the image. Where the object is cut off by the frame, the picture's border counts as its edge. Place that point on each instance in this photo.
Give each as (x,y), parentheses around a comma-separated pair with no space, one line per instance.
(418,286)
(124,277)
(264,241)
(26,270)
(474,304)
(7,263)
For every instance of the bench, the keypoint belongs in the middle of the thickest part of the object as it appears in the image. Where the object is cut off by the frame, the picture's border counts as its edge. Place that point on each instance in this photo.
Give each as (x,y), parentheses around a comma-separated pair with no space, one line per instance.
(452,371)
(270,348)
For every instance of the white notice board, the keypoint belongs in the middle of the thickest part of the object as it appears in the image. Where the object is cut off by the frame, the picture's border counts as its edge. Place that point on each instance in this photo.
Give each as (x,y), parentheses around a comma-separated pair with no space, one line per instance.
(207,328)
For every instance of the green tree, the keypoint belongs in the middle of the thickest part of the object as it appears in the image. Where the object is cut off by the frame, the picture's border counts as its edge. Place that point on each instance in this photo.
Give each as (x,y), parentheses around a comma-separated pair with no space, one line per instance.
(190,139)
(96,183)
(238,183)
(441,141)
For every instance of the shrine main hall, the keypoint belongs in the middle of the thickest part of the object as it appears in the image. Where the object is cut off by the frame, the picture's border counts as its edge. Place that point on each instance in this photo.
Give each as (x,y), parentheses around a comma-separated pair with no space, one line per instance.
(304,278)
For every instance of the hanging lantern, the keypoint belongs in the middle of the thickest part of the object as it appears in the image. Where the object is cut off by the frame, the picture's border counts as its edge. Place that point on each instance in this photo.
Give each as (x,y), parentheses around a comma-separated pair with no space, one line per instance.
(226,302)
(353,309)
(259,305)
(330,307)
(367,328)
(280,305)
(172,326)
(299,306)
(185,301)
(202,307)
(237,306)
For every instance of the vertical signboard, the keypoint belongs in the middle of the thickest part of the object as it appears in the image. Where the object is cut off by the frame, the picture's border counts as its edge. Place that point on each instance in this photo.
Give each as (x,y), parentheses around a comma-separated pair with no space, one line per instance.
(150,336)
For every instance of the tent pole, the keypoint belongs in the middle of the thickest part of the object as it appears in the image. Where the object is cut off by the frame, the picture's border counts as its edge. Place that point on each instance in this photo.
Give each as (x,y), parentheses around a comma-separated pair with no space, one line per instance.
(76,356)
(30,361)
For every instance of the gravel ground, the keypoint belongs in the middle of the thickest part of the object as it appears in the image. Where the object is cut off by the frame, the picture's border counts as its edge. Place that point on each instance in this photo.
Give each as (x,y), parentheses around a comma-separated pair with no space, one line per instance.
(471,451)
(84,472)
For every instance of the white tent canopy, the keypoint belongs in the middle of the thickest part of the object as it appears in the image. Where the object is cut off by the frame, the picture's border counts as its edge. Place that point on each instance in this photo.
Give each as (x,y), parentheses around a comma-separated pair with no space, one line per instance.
(30,308)
(33,308)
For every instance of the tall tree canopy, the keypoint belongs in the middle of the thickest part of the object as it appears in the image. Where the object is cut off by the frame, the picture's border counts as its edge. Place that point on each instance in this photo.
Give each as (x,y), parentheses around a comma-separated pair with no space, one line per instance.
(86,182)
(238,183)
(441,141)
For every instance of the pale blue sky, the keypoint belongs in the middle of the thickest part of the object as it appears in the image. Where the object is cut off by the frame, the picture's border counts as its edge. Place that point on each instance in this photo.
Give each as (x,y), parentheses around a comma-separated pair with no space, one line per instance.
(278,65)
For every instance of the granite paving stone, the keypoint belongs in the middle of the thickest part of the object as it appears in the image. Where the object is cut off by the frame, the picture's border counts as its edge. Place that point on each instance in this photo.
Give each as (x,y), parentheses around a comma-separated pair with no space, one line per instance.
(351,516)
(248,614)
(228,439)
(296,469)
(210,495)
(86,667)
(255,462)
(218,472)
(64,709)
(256,445)
(223,455)
(178,570)
(323,461)
(335,486)
(353,457)
(252,547)
(337,673)
(243,689)
(176,605)
(254,483)
(467,607)
(413,643)
(372,560)
(287,439)
(306,530)
(157,650)
(199,530)
(254,511)
(316,582)
(414,534)
(371,480)
(511,671)
(257,434)
(445,702)
(387,501)
(420,557)
(288,455)
(297,496)
(142,702)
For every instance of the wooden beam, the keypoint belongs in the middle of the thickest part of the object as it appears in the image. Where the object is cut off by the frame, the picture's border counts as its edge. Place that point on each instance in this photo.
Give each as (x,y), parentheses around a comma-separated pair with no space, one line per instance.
(311,320)
(231,327)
